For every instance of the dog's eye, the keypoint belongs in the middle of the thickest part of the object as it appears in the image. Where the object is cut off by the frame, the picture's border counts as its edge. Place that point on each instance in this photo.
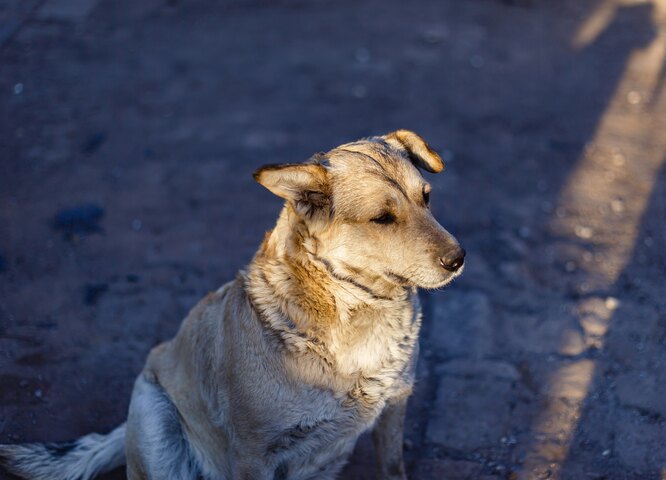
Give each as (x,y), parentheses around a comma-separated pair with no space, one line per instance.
(384,219)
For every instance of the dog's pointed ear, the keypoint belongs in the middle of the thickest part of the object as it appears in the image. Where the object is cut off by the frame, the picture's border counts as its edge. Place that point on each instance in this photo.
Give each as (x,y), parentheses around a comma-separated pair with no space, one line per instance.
(417,149)
(305,185)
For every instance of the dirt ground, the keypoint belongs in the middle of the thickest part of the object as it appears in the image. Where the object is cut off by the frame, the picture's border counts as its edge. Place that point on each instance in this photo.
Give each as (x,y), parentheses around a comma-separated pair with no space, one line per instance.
(128,134)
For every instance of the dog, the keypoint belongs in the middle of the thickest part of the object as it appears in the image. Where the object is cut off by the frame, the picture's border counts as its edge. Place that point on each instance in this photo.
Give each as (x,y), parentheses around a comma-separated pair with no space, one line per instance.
(275,375)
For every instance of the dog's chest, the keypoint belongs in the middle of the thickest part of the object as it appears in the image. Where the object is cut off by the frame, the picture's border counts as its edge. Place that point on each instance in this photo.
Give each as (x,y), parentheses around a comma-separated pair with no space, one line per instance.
(372,366)
(376,343)
(373,359)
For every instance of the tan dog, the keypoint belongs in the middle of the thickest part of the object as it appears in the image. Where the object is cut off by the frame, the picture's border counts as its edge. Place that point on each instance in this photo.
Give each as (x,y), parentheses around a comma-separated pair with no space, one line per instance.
(276,374)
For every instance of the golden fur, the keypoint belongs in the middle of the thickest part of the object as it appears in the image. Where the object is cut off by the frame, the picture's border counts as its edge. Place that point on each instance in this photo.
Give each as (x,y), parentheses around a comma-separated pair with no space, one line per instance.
(275,375)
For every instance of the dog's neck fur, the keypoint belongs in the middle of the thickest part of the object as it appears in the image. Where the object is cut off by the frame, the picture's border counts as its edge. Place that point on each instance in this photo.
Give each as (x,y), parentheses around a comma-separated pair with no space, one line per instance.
(303,296)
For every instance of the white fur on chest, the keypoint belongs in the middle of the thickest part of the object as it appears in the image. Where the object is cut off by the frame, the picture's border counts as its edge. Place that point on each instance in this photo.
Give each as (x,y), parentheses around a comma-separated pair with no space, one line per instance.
(376,341)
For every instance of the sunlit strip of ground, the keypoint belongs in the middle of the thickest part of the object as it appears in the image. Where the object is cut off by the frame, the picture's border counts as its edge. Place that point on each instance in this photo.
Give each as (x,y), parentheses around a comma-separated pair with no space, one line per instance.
(602,15)
(601,205)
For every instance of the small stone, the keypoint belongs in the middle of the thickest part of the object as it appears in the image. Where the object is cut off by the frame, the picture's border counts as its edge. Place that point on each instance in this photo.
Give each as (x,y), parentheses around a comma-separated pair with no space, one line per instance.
(570,266)
(508,440)
(362,55)
(359,91)
(634,97)
(477,61)
(583,232)
(499,468)
(611,303)
(617,206)
(546,207)
(137,224)
(606,453)
(18,89)
(38,393)
(434,35)
(584,288)
(618,159)
(590,149)
(513,272)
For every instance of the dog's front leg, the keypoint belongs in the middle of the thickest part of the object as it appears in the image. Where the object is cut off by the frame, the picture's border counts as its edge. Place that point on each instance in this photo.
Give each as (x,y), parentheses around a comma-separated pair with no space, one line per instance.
(387,436)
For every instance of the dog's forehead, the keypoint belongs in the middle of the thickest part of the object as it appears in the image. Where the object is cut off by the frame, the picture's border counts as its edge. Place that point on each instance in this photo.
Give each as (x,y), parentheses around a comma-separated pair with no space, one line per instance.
(367,177)
(366,160)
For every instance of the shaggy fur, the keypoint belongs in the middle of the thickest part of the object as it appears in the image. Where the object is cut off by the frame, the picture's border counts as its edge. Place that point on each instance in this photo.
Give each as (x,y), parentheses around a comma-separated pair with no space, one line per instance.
(276,374)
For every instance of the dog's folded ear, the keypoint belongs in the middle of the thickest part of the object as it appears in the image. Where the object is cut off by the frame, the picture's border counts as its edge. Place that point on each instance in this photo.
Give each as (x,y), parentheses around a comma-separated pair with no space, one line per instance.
(304,185)
(417,149)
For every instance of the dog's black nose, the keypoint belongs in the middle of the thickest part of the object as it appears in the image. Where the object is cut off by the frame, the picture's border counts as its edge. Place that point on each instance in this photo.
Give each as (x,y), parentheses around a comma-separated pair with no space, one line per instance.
(454,261)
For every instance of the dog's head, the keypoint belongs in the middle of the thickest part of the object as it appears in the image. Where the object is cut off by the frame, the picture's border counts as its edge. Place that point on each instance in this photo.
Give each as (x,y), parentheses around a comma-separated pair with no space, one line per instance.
(366,206)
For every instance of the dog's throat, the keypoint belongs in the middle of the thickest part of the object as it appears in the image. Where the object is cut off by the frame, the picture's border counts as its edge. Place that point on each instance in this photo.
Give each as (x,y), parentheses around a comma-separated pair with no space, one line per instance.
(350,281)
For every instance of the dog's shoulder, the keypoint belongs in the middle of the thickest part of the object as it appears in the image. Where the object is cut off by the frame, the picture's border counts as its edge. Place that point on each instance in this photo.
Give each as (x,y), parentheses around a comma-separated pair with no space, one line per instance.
(206,324)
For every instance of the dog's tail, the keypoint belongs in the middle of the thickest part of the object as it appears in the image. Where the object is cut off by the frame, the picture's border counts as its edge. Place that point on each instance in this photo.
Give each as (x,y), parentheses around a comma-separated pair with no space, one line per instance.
(81,459)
